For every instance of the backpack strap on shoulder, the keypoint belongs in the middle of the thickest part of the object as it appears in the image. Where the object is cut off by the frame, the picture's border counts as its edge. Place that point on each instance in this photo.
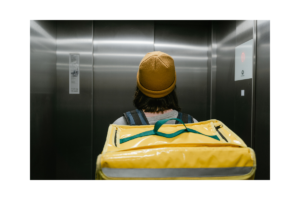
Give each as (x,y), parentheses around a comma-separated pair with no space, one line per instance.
(186,118)
(143,117)
(136,117)
(190,119)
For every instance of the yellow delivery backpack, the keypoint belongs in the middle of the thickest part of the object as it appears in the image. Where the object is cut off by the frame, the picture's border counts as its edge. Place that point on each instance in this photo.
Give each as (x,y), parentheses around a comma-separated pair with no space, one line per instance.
(203,150)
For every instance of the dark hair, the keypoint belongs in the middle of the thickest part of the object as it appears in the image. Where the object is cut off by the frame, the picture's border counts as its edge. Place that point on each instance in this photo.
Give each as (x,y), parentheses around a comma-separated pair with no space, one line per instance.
(148,104)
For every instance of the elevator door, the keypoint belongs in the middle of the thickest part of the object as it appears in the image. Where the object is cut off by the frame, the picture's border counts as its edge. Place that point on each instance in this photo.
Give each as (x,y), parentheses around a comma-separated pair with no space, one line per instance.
(73,139)
(119,46)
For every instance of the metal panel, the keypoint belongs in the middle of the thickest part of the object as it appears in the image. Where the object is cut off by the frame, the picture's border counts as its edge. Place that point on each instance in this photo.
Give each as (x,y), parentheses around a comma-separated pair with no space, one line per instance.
(244,31)
(262,110)
(242,110)
(225,39)
(232,108)
(119,46)
(253,82)
(209,70)
(187,43)
(42,99)
(74,111)
(243,104)
(213,82)
(258,88)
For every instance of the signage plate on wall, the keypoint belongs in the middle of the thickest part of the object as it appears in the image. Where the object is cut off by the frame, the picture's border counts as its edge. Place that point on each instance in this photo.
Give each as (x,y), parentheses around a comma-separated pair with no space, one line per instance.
(74,73)
(244,61)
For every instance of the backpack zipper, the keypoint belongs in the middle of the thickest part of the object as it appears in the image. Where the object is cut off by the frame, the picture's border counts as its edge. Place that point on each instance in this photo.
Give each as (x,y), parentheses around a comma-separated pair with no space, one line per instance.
(217,128)
(116,137)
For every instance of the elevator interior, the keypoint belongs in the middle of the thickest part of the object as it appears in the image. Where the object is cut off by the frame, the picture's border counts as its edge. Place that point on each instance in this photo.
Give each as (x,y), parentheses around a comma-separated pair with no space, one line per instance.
(68,131)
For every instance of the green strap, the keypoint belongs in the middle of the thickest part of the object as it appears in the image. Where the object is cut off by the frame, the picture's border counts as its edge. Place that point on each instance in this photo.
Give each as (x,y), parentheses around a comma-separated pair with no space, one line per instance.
(158,124)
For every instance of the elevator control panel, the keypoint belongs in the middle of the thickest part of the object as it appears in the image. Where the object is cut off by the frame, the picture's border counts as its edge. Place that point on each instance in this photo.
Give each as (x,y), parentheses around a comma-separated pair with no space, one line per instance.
(244,61)
(74,73)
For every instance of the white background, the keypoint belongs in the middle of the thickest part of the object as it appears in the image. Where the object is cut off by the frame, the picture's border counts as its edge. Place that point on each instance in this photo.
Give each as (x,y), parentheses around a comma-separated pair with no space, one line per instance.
(15,135)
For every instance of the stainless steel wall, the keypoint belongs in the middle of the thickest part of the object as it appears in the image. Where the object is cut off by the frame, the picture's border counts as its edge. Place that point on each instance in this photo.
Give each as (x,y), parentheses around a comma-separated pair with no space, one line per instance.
(187,43)
(225,38)
(243,105)
(119,47)
(249,115)
(262,101)
(42,99)
(212,80)
(74,111)
(231,108)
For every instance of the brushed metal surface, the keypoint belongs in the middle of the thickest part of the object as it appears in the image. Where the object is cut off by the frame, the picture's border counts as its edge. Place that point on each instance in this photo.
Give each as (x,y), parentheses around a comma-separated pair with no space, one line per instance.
(73,111)
(262,98)
(119,47)
(188,44)
(242,110)
(253,119)
(243,104)
(42,99)
(225,32)
(209,70)
(244,31)
(42,57)
(213,79)
(232,108)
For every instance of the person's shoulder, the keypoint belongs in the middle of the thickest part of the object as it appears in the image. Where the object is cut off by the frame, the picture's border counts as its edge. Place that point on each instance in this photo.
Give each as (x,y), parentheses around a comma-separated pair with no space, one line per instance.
(120,121)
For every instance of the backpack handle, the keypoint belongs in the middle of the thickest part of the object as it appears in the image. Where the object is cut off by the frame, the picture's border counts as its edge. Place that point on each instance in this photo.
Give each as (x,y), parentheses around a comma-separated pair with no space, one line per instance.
(155,131)
(159,123)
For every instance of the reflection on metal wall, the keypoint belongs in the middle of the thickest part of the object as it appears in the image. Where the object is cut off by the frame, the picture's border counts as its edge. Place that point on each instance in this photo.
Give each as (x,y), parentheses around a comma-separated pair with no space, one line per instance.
(213,72)
(74,111)
(187,42)
(244,31)
(225,39)
(236,110)
(232,108)
(119,47)
(42,99)
(243,104)
(262,117)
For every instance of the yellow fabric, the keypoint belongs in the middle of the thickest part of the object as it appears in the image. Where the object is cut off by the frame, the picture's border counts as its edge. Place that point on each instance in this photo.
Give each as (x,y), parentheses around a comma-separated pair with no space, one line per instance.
(179,157)
(156,76)
(188,150)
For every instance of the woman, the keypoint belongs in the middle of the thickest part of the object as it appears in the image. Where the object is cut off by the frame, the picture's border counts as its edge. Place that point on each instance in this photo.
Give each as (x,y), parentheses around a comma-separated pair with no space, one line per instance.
(155,96)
